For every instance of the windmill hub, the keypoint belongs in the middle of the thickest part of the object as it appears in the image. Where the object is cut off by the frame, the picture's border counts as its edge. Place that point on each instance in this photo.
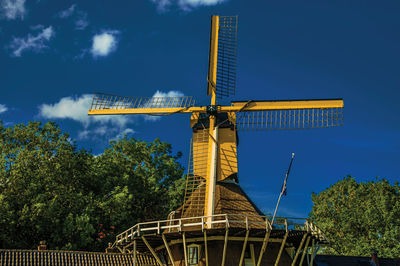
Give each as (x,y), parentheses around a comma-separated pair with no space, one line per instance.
(212,109)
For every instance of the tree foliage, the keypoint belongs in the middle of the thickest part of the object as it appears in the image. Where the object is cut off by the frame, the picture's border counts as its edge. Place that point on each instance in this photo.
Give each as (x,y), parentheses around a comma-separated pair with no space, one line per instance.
(50,190)
(358,218)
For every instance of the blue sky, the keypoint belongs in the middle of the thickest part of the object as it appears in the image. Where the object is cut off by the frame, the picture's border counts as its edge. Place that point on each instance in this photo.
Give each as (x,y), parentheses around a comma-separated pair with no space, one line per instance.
(54,54)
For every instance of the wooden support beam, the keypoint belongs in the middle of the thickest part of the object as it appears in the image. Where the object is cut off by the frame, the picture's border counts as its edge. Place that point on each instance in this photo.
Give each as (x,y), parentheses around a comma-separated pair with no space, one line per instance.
(205,247)
(264,246)
(152,251)
(281,249)
(212,238)
(304,250)
(134,253)
(130,244)
(244,248)
(299,249)
(184,248)
(171,258)
(312,252)
(253,255)
(225,245)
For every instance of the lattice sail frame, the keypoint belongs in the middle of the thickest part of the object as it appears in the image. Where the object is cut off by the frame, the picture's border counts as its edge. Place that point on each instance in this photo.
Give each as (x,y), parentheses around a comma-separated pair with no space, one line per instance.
(195,188)
(227,54)
(289,119)
(108,101)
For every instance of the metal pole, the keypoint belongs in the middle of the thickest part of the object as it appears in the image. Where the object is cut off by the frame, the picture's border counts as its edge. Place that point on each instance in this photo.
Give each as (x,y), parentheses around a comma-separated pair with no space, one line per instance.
(283,189)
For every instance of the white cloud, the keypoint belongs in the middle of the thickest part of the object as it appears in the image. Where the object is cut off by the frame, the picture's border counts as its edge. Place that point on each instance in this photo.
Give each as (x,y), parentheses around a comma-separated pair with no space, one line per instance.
(12,9)
(162,5)
(32,42)
(81,21)
(168,94)
(126,132)
(187,5)
(104,43)
(84,134)
(67,12)
(3,108)
(76,108)
(80,17)
(155,102)
(104,126)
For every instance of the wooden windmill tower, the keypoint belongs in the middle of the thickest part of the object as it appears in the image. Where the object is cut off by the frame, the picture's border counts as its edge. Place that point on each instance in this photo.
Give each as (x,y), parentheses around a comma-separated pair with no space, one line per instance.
(217,218)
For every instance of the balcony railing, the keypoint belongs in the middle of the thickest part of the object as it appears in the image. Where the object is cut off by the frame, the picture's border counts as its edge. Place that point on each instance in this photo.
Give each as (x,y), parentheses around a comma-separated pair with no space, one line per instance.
(217,221)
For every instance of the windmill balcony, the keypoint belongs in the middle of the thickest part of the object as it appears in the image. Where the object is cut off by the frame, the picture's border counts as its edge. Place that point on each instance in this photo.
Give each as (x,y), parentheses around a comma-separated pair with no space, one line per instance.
(234,222)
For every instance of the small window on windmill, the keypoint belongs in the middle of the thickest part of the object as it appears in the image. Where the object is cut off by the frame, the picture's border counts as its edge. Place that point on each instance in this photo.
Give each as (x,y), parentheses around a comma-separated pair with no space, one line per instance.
(193,254)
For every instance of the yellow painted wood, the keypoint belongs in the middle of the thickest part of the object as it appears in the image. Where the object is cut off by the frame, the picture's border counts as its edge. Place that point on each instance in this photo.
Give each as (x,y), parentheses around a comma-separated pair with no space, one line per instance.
(211,171)
(227,164)
(213,59)
(236,107)
(282,105)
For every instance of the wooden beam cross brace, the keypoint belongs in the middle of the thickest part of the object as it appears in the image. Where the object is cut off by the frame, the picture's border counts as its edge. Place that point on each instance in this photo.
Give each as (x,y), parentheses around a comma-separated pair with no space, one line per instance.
(205,247)
(171,258)
(152,251)
(299,249)
(225,245)
(184,248)
(134,253)
(312,252)
(244,248)
(281,249)
(305,250)
(264,246)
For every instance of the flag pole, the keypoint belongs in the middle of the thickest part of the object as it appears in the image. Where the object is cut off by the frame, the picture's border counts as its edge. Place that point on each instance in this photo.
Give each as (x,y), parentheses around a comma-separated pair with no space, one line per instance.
(283,190)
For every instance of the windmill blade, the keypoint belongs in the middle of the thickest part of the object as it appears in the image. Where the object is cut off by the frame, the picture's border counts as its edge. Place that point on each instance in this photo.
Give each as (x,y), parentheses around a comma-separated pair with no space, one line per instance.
(107,104)
(292,114)
(289,119)
(223,53)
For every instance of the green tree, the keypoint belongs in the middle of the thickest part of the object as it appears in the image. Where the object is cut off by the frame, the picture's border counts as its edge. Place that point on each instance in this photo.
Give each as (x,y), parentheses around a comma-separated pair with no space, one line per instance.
(50,190)
(140,181)
(43,195)
(359,217)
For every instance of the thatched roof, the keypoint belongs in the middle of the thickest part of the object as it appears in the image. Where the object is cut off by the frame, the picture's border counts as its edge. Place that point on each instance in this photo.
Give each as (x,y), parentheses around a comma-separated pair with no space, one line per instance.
(229,199)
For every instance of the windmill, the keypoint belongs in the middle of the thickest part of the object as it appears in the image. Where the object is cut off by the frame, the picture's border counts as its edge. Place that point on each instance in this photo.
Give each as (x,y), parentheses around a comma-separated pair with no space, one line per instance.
(212,171)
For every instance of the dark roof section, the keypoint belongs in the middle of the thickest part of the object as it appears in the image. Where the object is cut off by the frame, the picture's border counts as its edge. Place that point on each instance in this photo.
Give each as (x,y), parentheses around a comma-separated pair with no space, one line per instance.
(59,257)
